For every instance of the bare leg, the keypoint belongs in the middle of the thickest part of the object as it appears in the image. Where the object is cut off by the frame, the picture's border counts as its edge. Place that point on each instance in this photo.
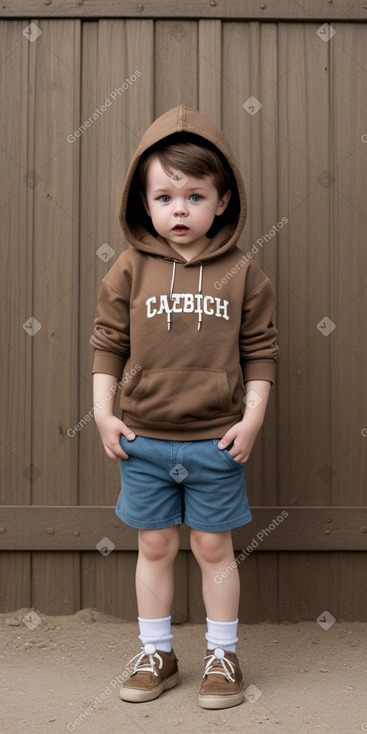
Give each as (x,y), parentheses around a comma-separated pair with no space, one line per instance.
(154,578)
(214,552)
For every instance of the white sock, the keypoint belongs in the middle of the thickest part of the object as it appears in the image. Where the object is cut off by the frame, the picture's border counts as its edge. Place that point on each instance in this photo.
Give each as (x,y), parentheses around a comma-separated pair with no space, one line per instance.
(222,634)
(156,632)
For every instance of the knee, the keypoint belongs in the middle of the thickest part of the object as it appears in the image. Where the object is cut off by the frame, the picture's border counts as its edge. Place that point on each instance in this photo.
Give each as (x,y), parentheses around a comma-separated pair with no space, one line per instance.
(158,544)
(209,547)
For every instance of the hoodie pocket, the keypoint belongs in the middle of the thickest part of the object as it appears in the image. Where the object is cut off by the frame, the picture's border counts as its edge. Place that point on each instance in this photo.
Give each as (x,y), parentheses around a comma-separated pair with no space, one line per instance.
(179,395)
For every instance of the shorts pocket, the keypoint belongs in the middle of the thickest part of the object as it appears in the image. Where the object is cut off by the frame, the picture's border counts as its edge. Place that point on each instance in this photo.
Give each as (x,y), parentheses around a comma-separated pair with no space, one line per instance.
(179,395)
(227,456)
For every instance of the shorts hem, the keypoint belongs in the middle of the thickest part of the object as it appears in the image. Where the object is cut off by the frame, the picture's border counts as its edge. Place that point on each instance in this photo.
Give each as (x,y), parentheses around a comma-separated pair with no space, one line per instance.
(150,524)
(219,526)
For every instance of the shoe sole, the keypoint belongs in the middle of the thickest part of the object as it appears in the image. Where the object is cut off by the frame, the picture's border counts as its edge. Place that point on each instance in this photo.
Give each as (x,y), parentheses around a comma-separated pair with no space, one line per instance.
(139,695)
(220,702)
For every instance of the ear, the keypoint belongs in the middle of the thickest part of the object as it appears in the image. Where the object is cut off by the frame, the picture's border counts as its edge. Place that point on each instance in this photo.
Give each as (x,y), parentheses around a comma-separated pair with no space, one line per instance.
(223,203)
(145,203)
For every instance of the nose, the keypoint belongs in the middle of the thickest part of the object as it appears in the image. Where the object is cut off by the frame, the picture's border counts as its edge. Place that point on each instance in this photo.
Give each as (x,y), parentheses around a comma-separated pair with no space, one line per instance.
(180,208)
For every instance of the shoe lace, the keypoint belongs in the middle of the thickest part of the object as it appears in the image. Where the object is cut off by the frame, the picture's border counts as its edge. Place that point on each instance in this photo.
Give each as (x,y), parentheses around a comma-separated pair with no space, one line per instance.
(219,666)
(144,661)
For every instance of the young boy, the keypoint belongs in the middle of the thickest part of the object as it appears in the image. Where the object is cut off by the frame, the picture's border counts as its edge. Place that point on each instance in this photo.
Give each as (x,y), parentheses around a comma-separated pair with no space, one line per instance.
(186,319)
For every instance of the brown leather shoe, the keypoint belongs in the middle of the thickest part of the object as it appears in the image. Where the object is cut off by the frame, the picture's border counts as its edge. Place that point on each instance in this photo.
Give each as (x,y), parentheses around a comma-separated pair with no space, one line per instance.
(153,671)
(222,684)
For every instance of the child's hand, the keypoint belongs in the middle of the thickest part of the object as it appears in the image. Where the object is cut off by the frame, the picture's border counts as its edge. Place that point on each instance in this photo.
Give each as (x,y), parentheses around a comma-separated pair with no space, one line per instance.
(243,434)
(111,428)
(243,437)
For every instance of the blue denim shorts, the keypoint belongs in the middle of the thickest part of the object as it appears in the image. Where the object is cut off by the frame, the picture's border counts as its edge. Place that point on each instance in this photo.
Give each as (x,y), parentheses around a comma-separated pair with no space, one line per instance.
(166,483)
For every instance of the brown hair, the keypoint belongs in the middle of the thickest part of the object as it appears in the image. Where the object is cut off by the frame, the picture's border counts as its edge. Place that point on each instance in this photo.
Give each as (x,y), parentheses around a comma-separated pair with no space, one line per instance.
(191,159)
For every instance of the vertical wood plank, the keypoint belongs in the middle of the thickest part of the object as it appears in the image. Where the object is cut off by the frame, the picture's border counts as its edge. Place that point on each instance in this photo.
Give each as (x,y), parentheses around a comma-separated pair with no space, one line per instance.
(55,282)
(16,223)
(175,59)
(210,63)
(108,583)
(17,187)
(56,582)
(348,264)
(55,85)
(304,299)
(259,588)
(304,287)
(314,582)
(349,585)
(15,580)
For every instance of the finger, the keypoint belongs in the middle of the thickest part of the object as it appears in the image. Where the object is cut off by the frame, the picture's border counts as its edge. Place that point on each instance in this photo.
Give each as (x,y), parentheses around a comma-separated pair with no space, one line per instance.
(127,432)
(116,452)
(124,455)
(226,440)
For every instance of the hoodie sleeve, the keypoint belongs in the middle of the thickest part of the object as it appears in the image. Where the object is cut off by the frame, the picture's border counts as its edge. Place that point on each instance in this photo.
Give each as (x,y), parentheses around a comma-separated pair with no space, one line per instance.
(111,334)
(258,336)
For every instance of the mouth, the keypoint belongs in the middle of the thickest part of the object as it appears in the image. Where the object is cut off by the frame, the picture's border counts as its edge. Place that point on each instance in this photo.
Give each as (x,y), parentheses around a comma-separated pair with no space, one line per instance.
(180,229)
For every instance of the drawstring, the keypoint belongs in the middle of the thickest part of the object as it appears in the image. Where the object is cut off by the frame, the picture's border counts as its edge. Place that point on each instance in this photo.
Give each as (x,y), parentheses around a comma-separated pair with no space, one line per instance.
(170,294)
(200,315)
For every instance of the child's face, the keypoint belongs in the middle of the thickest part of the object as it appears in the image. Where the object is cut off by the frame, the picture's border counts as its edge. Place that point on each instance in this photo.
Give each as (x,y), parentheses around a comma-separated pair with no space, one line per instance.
(182,211)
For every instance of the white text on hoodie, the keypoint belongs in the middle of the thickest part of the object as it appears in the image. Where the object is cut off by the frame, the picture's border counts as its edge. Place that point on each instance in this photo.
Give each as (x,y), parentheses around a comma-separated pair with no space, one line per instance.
(187,303)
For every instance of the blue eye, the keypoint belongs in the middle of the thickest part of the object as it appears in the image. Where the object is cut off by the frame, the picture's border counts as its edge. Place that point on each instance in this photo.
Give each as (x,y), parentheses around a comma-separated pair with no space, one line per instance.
(164,198)
(195,197)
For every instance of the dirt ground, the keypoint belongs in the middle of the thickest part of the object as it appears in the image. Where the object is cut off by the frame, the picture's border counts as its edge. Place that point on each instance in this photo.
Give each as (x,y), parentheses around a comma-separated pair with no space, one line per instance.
(61,674)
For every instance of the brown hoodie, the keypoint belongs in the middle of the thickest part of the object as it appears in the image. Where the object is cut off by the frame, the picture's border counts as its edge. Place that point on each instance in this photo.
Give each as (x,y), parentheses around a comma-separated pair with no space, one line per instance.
(185,335)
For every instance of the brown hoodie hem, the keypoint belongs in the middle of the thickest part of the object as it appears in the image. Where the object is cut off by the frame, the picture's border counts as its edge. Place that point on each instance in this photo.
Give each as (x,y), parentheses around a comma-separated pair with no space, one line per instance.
(195,431)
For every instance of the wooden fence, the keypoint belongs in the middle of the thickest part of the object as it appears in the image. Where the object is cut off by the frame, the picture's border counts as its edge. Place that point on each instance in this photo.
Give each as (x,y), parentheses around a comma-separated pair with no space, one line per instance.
(303,155)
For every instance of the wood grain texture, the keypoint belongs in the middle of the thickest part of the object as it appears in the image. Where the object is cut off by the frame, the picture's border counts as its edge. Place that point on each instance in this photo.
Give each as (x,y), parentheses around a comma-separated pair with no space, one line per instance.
(175,50)
(209,70)
(16,273)
(348,265)
(54,88)
(236,9)
(82,528)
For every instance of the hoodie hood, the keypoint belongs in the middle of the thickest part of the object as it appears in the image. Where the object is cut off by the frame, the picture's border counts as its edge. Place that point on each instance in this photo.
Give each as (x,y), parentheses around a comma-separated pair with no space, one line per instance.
(182,123)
